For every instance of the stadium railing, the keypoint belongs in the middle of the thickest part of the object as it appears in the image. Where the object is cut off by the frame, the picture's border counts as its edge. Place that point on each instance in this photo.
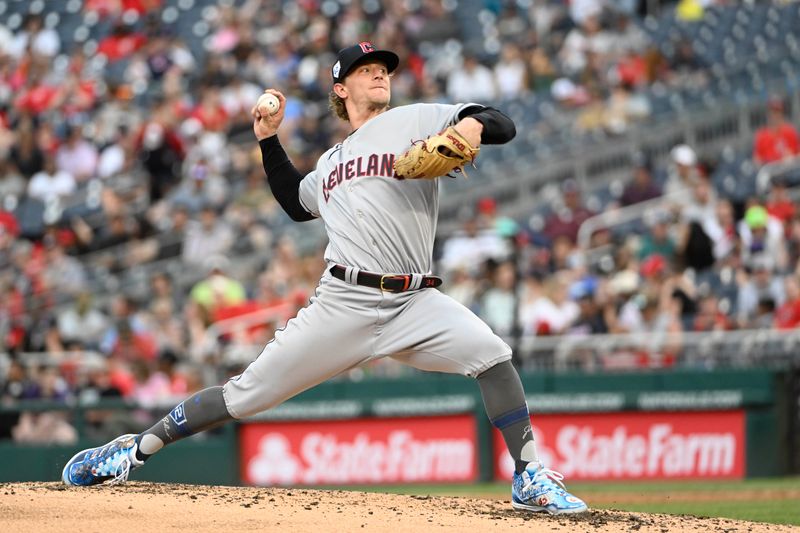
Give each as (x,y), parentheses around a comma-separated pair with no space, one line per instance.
(759,348)
(609,353)
(622,215)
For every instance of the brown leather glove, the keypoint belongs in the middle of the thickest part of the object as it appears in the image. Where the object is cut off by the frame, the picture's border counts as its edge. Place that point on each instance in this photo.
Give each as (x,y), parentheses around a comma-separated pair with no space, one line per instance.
(438,155)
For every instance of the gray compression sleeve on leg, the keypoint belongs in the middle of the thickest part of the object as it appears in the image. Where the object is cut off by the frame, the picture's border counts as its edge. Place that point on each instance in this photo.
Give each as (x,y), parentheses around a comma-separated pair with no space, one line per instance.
(505,404)
(203,411)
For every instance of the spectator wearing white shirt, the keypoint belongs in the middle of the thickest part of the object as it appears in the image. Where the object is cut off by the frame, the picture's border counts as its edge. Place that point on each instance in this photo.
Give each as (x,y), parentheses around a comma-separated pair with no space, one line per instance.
(77,156)
(510,73)
(462,287)
(238,97)
(580,10)
(117,113)
(588,38)
(473,82)
(471,247)
(762,235)
(82,322)
(118,155)
(547,310)
(760,292)
(6,40)
(206,237)
(51,184)
(64,275)
(701,205)
(34,36)
(682,174)
(11,181)
(628,36)
(111,161)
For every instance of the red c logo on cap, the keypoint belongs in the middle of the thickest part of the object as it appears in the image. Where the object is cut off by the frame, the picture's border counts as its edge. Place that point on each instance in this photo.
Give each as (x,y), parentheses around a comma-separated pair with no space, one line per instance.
(366,47)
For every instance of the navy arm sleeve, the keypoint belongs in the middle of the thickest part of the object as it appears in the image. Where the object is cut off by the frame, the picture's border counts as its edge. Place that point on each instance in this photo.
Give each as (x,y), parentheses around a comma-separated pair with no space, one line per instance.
(497,127)
(284,179)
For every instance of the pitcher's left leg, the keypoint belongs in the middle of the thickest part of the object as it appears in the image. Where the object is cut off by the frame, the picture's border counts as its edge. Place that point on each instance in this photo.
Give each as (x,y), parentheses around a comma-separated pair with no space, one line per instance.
(434,332)
(534,487)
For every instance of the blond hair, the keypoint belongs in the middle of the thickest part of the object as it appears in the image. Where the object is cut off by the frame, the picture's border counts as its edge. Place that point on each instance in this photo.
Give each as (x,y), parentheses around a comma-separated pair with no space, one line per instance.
(336,104)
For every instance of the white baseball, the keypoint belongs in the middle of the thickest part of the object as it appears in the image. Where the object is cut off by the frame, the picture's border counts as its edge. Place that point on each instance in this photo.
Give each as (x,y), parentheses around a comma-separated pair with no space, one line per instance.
(270,102)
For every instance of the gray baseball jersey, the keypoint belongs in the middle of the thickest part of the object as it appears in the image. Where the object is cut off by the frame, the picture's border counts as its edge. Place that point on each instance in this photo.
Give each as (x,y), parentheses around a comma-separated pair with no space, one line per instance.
(374,220)
(379,223)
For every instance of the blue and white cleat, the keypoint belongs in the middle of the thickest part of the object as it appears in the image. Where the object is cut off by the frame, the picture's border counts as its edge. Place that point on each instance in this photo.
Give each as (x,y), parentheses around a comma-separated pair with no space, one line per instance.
(109,463)
(540,489)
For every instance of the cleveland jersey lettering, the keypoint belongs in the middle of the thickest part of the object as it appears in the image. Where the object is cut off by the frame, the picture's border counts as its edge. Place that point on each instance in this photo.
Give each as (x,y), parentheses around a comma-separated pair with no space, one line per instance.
(375,165)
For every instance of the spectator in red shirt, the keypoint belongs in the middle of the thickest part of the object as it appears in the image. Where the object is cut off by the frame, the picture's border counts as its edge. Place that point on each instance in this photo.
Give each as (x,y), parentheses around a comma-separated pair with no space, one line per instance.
(632,69)
(210,111)
(106,8)
(77,96)
(8,223)
(121,43)
(37,97)
(787,315)
(777,140)
(779,204)
(709,317)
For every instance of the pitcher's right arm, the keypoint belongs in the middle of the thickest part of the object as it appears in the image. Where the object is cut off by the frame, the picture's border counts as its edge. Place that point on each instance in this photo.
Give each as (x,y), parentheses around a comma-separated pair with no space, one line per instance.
(284,179)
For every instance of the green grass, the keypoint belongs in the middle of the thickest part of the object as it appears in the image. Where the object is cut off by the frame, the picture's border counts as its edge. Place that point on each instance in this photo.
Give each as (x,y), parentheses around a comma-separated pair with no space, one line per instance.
(776,511)
(772,511)
(783,483)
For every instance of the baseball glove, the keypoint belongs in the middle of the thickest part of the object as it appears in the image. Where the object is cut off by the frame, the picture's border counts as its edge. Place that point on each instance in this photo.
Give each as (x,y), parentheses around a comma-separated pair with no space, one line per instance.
(438,155)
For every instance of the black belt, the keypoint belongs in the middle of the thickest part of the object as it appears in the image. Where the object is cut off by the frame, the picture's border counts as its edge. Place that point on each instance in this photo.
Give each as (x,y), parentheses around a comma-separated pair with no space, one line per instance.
(387,282)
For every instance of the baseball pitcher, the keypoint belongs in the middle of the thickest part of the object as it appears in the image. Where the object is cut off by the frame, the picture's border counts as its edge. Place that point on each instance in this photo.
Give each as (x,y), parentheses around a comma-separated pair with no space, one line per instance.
(377,194)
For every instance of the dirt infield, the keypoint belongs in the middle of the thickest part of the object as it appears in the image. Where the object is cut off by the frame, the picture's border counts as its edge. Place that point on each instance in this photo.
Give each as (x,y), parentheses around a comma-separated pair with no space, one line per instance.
(137,507)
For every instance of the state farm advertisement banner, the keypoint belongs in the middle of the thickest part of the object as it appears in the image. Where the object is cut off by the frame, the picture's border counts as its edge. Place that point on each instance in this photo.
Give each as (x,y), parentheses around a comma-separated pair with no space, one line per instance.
(365,451)
(637,445)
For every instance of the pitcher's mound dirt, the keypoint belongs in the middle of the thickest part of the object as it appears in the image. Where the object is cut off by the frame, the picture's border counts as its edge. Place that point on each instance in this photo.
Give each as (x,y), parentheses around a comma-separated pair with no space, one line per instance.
(142,507)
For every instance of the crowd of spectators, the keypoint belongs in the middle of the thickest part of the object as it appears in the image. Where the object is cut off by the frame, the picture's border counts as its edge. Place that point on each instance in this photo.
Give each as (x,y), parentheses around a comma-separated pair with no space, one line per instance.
(697,262)
(132,146)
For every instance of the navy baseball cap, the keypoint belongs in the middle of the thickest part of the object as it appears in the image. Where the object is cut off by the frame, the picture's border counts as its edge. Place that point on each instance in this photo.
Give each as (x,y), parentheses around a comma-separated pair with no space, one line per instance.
(348,57)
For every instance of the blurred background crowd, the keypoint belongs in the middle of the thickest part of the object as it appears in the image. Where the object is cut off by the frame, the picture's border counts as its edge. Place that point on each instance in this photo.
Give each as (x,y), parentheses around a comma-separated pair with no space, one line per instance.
(142,255)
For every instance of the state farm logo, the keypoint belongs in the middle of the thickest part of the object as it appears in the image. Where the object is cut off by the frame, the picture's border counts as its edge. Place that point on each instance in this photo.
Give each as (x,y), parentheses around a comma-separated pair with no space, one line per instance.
(275,464)
(661,452)
(679,445)
(324,458)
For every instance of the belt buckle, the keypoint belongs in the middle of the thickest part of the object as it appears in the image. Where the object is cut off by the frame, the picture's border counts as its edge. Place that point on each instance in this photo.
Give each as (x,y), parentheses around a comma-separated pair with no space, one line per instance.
(383,278)
(406,282)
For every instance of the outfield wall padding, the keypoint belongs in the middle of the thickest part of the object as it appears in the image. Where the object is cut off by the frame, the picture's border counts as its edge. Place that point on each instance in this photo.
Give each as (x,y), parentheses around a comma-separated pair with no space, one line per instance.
(763,394)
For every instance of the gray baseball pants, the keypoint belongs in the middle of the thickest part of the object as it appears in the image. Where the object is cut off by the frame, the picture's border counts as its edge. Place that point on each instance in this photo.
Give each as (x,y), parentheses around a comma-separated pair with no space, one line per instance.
(349,325)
